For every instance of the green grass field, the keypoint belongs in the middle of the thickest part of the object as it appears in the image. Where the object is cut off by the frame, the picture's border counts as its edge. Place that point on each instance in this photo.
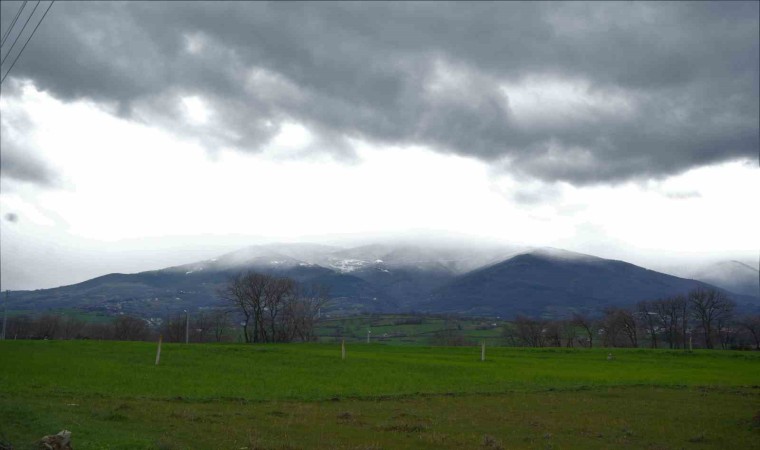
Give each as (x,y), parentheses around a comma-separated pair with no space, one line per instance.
(234,396)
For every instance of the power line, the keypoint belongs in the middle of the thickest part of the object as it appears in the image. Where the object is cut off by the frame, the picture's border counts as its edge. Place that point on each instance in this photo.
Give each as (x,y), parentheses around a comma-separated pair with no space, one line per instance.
(20,33)
(8,31)
(27,41)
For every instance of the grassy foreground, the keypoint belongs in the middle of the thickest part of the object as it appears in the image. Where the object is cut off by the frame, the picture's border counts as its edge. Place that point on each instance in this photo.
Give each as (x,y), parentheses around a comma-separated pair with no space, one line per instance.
(111,395)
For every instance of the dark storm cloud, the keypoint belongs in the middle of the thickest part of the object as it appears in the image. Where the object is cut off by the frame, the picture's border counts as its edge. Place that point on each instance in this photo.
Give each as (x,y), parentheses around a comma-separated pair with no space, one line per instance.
(18,160)
(659,88)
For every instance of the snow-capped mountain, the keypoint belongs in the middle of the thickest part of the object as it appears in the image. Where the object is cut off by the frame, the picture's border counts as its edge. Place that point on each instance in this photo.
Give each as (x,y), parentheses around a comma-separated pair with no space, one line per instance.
(495,280)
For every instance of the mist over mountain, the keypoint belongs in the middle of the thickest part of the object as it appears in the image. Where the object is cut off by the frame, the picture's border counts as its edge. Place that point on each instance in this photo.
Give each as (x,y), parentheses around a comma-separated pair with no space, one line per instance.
(734,276)
(388,277)
(556,283)
(741,277)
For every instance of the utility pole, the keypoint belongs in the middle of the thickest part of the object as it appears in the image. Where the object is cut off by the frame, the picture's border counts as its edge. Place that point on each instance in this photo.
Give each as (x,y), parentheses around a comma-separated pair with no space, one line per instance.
(187,327)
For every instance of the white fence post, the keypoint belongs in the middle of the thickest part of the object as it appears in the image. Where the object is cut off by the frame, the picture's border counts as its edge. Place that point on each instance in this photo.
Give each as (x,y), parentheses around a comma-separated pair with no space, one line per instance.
(158,352)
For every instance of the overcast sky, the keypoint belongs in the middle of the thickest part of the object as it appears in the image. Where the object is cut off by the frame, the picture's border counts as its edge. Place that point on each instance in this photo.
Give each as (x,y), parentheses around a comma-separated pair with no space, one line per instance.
(138,135)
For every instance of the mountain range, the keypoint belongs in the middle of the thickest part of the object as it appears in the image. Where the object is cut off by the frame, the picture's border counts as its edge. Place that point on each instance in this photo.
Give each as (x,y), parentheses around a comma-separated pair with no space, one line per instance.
(474,280)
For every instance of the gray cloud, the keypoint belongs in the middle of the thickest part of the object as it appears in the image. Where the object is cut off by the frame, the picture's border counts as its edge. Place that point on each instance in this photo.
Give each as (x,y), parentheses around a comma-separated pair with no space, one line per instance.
(644,89)
(18,160)
(11,217)
(20,166)
(537,194)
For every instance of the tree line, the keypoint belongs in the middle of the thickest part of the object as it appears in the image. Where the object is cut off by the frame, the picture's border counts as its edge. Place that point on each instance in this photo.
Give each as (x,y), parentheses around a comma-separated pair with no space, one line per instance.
(203,326)
(702,318)
(266,308)
(269,308)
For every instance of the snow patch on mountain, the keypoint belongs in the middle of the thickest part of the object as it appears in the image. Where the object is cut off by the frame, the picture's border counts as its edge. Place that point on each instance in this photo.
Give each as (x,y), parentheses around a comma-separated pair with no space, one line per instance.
(347,265)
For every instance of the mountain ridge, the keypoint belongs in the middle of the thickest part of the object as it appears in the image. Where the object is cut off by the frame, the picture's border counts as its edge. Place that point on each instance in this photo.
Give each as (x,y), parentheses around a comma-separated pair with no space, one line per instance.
(384,278)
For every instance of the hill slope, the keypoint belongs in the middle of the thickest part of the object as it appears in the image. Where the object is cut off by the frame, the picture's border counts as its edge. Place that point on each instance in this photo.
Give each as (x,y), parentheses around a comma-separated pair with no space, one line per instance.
(382,278)
(554,282)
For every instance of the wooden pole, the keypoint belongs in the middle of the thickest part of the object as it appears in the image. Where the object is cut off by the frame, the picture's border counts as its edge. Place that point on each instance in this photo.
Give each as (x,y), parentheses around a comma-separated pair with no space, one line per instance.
(158,352)
(343,348)
(483,351)
(690,348)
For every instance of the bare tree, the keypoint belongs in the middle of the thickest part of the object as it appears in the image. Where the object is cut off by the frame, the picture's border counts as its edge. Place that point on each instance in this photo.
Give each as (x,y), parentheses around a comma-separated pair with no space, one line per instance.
(20,327)
(650,320)
(681,305)
(220,323)
(201,326)
(173,328)
(673,318)
(303,310)
(552,333)
(279,293)
(47,326)
(278,308)
(752,325)
(709,307)
(509,334)
(128,328)
(619,322)
(96,330)
(585,322)
(246,292)
(71,327)
(235,292)
(569,332)
(629,325)
(531,331)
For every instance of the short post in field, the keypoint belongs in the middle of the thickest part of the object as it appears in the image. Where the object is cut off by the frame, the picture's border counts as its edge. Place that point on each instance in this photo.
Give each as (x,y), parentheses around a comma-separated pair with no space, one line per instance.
(483,350)
(158,351)
(343,348)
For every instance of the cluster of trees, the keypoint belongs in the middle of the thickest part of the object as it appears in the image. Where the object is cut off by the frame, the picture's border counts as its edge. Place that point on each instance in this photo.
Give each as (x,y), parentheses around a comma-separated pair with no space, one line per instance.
(272,309)
(48,326)
(203,326)
(702,318)
(275,309)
